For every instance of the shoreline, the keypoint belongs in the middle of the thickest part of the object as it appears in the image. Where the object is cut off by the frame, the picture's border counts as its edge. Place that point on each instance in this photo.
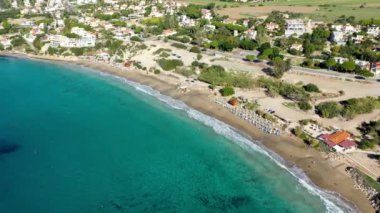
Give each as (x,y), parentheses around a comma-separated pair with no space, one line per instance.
(292,150)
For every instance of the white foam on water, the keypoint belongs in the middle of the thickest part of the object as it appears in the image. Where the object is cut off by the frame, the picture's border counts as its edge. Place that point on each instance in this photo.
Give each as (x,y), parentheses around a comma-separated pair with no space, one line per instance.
(333,201)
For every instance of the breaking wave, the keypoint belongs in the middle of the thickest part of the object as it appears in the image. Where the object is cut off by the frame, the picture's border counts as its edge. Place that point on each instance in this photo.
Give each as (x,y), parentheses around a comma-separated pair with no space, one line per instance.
(333,201)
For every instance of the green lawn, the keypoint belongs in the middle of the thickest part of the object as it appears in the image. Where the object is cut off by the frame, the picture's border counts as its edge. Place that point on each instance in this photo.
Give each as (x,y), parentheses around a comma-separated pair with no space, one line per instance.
(334,9)
(337,8)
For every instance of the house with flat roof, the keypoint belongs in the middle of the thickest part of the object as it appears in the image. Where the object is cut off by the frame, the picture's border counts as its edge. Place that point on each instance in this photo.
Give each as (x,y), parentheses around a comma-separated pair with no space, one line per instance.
(295,27)
(339,141)
(373,30)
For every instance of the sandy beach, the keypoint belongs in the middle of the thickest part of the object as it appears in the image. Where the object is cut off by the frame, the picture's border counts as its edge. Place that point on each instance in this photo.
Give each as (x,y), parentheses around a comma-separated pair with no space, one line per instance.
(321,171)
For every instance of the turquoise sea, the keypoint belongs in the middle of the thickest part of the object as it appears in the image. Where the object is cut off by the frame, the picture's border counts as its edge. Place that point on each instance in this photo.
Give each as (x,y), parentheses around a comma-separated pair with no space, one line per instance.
(75,140)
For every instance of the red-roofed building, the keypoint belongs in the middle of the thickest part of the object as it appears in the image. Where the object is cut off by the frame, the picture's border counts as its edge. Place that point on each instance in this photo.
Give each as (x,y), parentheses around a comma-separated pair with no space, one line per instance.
(339,141)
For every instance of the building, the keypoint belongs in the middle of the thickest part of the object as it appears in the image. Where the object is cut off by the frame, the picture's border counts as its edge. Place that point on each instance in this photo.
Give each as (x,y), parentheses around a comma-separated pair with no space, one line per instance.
(83,2)
(373,30)
(185,21)
(271,27)
(341,33)
(297,47)
(340,38)
(339,141)
(209,28)
(5,42)
(251,34)
(295,27)
(14,4)
(206,14)
(376,68)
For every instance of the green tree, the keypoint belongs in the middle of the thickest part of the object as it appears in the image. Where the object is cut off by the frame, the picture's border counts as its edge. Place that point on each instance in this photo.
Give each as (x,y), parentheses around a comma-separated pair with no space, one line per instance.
(18,41)
(37,43)
(261,36)
(227,44)
(308,48)
(247,44)
(52,51)
(77,51)
(330,62)
(280,66)
(349,66)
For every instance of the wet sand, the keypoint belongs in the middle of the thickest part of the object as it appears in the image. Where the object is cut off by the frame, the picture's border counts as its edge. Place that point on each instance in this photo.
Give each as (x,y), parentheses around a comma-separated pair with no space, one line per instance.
(292,150)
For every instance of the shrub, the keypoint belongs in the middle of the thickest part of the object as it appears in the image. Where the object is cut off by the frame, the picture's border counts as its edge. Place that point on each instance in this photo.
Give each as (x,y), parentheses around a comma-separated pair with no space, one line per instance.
(164,55)
(328,109)
(195,50)
(250,57)
(169,64)
(227,91)
(77,51)
(157,71)
(355,106)
(180,46)
(185,71)
(286,90)
(135,38)
(161,50)
(305,106)
(366,144)
(217,75)
(311,88)
(199,57)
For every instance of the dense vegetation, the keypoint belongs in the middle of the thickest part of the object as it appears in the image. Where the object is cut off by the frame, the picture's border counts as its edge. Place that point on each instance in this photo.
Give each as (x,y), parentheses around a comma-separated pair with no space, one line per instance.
(169,64)
(217,75)
(348,108)
(311,88)
(371,134)
(286,90)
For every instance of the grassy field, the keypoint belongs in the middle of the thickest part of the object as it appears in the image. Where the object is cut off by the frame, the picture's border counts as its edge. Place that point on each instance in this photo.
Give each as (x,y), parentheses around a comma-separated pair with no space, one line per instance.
(331,10)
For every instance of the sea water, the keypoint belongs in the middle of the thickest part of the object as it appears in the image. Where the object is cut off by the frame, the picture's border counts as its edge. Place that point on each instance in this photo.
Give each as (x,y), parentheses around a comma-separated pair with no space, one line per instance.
(76,140)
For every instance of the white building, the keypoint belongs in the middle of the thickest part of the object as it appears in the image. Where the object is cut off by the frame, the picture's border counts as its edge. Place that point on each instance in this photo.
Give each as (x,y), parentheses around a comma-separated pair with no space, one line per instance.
(55,5)
(86,39)
(29,38)
(339,37)
(27,3)
(295,27)
(83,2)
(209,27)
(373,30)
(341,33)
(5,42)
(185,21)
(251,34)
(206,14)
(296,46)
(14,4)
